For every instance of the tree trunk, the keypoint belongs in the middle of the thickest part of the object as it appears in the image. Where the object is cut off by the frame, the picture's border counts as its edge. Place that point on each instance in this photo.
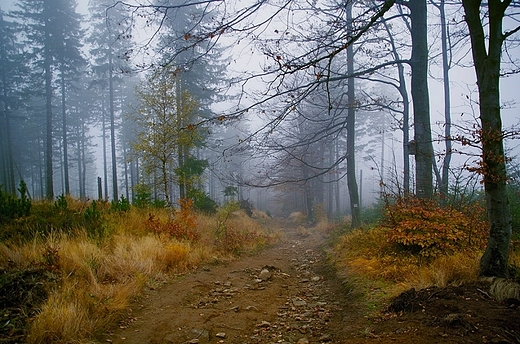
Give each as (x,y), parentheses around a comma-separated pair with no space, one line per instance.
(64,138)
(487,68)
(406,130)
(180,149)
(308,194)
(406,114)
(420,99)
(351,123)
(444,184)
(330,183)
(41,162)
(164,173)
(7,143)
(83,160)
(115,192)
(49,185)
(105,165)
(80,174)
(127,187)
(337,184)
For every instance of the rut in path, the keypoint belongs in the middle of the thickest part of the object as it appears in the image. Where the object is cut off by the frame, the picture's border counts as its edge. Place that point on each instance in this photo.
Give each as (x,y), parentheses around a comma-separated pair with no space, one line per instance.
(284,294)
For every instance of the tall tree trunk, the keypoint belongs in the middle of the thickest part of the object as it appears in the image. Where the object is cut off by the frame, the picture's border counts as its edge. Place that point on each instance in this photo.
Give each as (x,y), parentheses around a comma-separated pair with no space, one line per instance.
(319,189)
(6,142)
(444,184)
(115,192)
(41,162)
(49,185)
(420,99)
(307,190)
(337,182)
(330,183)
(487,67)
(406,113)
(127,189)
(84,159)
(64,129)
(351,123)
(406,130)
(180,149)
(105,165)
(164,177)
(80,172)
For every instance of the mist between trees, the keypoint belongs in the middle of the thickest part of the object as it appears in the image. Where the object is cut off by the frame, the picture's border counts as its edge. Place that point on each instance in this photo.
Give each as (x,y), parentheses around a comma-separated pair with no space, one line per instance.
(291,105)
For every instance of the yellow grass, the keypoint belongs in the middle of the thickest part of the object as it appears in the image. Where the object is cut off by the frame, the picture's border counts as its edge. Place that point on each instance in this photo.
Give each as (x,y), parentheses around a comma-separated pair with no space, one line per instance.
(371,264)
(61,321)
(97,278)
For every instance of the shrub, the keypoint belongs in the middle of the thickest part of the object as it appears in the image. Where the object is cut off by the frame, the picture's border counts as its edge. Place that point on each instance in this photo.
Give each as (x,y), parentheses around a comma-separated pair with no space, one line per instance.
(424,227)
(12,207)
(373,214)
(142,196)
(182,227)
(247,207)
(122,204)
(202,202)
(93,223)
(61,202)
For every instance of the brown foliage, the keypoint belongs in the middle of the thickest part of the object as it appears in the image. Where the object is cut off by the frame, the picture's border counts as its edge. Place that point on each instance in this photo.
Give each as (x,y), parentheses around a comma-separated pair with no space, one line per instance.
(429,229)
(182,227)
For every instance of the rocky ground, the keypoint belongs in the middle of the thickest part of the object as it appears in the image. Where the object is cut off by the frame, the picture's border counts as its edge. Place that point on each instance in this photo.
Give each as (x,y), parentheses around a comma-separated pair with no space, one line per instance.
(288,294)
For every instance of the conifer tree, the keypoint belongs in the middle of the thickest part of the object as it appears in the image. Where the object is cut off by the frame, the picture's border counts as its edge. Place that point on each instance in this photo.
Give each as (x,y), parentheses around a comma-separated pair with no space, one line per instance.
(51,31)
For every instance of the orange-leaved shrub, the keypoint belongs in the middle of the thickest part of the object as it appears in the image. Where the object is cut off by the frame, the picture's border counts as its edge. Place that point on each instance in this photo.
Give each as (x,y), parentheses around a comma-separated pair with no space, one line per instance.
(426,228)
(181,227)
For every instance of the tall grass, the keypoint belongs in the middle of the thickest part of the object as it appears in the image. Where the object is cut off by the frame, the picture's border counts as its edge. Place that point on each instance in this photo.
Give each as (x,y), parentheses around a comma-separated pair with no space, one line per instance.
(97,276)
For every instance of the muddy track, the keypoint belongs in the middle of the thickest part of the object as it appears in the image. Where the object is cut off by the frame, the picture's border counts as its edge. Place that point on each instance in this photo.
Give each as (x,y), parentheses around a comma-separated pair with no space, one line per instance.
(284,294)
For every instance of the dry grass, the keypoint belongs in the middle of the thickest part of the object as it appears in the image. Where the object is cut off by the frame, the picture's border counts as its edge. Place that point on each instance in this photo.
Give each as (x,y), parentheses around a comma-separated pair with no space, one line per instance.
(377,270)
(503,289)
(97,278)
(297,217)
(324,226)
(302,231)
(258,214)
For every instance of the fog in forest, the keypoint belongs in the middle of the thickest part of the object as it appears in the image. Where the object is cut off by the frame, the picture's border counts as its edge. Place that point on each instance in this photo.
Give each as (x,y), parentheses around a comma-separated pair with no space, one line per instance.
(292,106)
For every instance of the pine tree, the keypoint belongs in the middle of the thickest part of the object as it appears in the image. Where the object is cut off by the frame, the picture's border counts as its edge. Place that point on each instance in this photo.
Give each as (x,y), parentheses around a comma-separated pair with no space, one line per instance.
(51,31)
(109,49)
(12,86)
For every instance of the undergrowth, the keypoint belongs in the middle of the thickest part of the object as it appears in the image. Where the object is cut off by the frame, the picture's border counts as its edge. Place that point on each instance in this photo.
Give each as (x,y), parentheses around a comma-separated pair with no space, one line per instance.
(417,244)
(72,266)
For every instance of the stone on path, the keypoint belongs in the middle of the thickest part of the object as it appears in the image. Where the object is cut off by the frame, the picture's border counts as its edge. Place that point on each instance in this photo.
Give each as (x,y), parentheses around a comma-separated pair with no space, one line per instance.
(265,275)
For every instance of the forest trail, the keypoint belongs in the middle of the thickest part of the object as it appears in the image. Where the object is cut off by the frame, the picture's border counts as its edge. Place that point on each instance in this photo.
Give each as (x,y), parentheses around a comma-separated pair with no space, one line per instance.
(288,294)
(285,293)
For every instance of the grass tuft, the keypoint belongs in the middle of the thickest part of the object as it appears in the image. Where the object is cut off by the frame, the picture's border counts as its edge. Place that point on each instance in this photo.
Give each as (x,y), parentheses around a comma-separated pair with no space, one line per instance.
(503,289)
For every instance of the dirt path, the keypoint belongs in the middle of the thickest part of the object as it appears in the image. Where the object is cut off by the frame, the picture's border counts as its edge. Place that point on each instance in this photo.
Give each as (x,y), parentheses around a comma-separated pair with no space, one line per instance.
(285,294)
(288,294)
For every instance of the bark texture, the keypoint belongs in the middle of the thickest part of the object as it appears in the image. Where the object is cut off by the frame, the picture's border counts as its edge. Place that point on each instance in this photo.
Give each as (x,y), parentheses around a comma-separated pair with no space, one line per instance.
(487,68)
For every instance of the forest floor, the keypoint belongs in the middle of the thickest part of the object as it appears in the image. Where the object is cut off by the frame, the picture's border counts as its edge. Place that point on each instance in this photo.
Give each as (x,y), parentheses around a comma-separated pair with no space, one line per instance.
(289,293)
